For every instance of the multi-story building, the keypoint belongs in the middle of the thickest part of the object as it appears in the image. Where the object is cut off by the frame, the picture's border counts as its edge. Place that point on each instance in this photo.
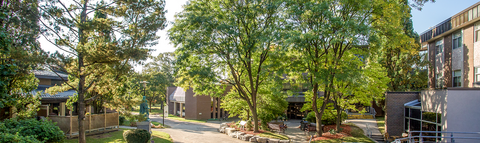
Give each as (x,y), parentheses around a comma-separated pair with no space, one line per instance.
(450,105)
(454,50)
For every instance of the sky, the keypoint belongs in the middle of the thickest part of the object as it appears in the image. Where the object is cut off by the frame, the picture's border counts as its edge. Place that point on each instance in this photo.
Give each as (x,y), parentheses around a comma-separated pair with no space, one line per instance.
(430,15)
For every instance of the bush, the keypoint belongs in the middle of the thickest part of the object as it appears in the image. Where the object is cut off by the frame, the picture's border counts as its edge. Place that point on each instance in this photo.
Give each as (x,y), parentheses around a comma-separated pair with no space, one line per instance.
(43,131)
(264,125)
(15,138)
(136,136)
(249,125)
(121,120)
(328,118)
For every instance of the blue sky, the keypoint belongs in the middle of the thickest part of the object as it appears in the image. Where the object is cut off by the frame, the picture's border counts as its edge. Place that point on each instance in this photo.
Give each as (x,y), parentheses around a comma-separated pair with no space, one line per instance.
(434,13)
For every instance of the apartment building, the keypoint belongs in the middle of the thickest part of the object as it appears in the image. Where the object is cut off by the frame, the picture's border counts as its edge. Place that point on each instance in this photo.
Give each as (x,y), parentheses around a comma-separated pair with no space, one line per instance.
(454,50)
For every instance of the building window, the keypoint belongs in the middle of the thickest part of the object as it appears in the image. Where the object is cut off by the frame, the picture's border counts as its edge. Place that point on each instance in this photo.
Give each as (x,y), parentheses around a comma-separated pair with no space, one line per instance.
(477,32)
(438,81)
(457,40)
(439,46)
(457,78)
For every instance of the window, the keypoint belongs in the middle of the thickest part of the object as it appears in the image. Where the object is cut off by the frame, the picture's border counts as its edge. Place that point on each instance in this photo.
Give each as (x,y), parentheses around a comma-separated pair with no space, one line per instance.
(477,32)
(438,81)
(457,78)
(477,74)
(457,40)
(439,46)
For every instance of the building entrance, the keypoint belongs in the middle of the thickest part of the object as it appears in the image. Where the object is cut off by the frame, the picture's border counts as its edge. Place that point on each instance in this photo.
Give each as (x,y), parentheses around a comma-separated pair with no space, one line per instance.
(293,111)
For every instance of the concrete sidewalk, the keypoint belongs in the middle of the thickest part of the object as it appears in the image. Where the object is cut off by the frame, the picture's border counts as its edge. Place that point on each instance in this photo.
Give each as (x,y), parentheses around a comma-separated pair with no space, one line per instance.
(372,128)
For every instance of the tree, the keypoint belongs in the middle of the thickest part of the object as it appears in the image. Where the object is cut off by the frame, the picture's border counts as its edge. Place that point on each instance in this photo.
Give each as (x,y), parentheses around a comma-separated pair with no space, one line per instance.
(96,46)
(227,41)
(324,32)
(163,63)
(401,56)
(19,55)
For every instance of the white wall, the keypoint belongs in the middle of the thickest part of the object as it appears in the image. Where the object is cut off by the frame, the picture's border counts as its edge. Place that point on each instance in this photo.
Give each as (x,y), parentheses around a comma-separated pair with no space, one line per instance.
(463,113)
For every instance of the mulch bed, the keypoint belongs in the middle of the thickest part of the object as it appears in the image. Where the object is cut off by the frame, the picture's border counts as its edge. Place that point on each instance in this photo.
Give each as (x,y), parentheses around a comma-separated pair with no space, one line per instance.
(326,135)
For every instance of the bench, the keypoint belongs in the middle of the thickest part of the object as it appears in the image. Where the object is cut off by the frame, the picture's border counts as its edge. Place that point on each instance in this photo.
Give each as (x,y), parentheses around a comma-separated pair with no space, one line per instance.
(242,125)
(311,128)
(277,127)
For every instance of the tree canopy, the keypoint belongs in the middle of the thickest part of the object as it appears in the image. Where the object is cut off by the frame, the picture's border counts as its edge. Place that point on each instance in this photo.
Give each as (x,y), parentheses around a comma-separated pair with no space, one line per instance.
(100,40)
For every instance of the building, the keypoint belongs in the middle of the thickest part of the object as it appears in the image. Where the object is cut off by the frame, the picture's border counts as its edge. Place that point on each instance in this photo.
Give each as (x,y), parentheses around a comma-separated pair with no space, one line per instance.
(53,107)
(453,48)
(451,102)
(192,106)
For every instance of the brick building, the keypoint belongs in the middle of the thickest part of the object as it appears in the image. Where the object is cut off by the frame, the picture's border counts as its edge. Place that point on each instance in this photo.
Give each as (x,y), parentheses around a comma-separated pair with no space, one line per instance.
(451,102)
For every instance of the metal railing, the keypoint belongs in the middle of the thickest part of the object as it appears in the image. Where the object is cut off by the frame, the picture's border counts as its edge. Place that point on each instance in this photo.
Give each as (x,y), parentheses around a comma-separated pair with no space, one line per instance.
(446,135)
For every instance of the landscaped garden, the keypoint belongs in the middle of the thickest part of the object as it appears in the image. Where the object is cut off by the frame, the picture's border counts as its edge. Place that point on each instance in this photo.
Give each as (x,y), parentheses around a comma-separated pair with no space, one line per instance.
(350,133)
(117,137)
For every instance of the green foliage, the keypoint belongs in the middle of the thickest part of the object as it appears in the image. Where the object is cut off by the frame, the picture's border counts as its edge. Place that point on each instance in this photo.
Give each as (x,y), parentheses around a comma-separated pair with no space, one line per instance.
(44,131)
(249,125)
(228,42)
(328,118)
(264,125)
(101,40)
(121,120)
(17,138)
(136,136)
(19,55)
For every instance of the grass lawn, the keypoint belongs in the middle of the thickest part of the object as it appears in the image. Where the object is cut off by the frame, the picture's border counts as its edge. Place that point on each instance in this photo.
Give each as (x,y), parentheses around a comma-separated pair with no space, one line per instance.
(381,124)
(357,136)
(273,135)
(117,137)
(170,116)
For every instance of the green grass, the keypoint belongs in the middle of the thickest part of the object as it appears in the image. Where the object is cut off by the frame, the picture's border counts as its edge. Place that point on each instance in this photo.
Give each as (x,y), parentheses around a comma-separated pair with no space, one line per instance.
(273,135)
(357,136)
(381,124)
(170,116)
(117,137)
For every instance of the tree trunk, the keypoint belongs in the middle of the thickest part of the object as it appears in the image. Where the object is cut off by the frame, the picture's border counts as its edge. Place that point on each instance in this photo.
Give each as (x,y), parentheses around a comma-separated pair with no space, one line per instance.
(339,117)
(150,105)
(255,120)
(318,115)
(81,102)
(81,83)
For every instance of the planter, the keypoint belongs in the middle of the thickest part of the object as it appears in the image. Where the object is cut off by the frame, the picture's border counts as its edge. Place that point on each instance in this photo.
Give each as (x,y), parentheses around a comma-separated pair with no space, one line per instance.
(145,125)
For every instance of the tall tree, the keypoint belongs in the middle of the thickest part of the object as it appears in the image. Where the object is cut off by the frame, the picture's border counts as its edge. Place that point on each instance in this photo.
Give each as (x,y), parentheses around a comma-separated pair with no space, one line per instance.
(323,32)
(229,41)
(20,53)
(401,55)
(93,47)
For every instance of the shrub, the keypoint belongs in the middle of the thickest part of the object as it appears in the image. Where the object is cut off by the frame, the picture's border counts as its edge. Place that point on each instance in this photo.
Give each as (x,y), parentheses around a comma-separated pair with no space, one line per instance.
(328,118)
(43,131)
(15,138)
(121,120)
(249,125)
(264,125)
(136,136)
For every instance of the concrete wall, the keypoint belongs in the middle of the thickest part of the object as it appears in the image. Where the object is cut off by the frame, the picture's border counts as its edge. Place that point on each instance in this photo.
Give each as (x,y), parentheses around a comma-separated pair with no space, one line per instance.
(394,110)
(463,112)
(435,101)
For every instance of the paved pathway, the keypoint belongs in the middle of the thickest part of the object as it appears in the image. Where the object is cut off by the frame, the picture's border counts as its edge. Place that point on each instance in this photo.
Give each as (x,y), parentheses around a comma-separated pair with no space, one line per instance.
(372,125)
(187,132)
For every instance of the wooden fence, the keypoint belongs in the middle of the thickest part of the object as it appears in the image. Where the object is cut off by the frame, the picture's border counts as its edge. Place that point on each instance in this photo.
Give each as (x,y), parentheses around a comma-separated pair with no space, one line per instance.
(92,123)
